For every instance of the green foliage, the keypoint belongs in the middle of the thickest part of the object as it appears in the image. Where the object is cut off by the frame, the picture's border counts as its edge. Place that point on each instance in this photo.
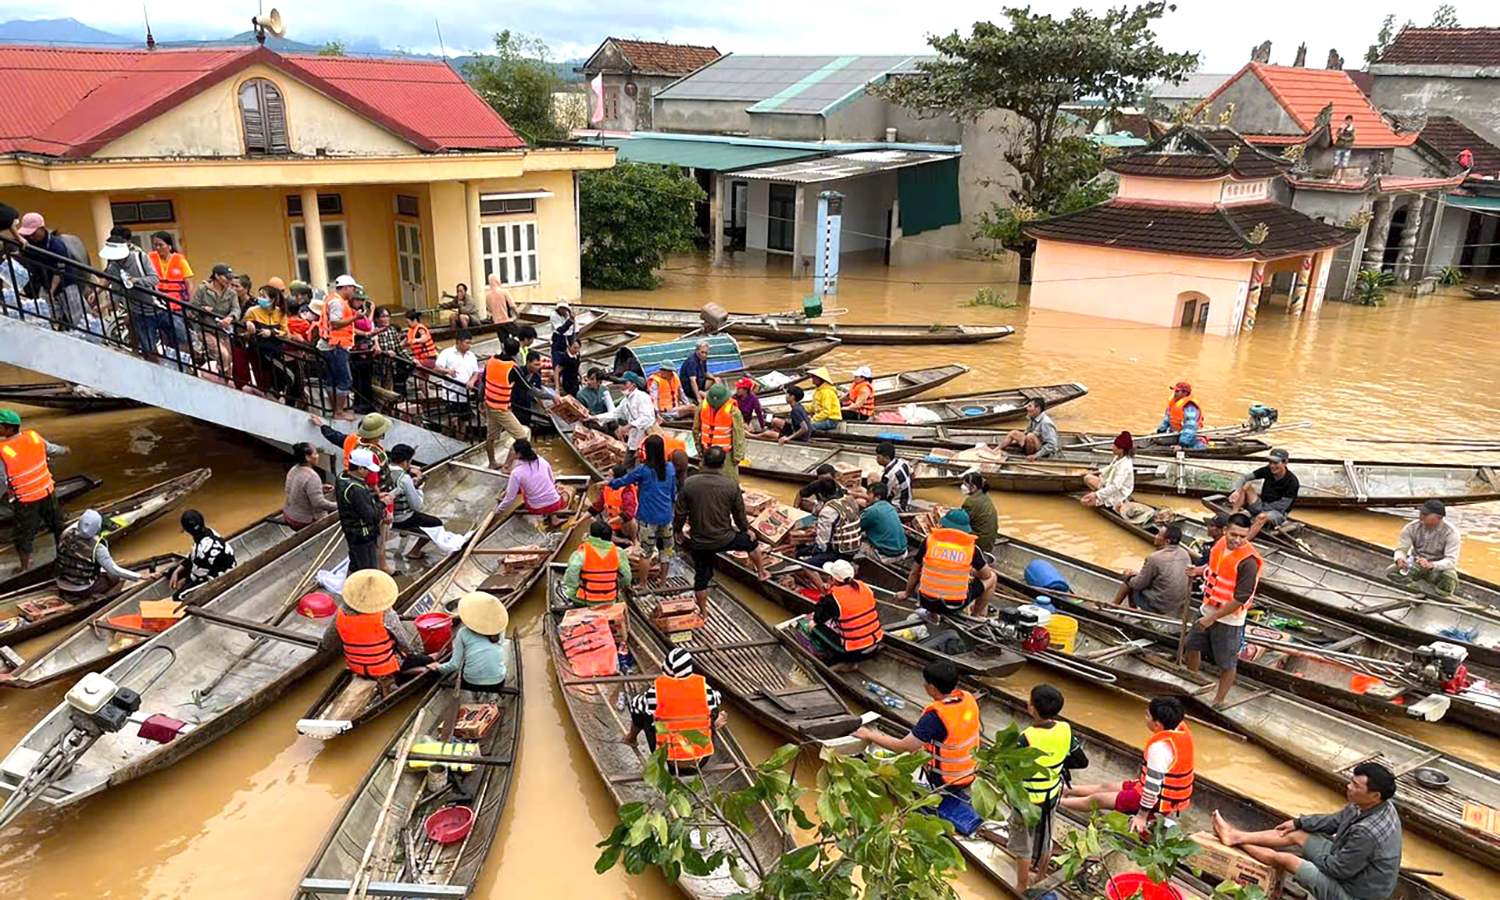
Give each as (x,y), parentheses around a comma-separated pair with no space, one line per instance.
(518,80)
(988,296)
(1388,32)
(1445,16)
(333,48)
(631,217)
(1032,64)
(1158,853)
(1002,226)
(1371,286)
(1004,765)
(1450,276)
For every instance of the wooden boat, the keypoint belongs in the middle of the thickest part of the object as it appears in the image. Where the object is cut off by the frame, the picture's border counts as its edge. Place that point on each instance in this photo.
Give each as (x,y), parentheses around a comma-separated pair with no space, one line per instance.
(350,701)
(1483,291)
(1236,446)
(67,490)
(957,437)
(217,672)
(378,839)
(594,348)
(783,327)
(1345,551)
(889,386)
(588,319)
(599,716)
(1372,605)
(798,462)
(122,518)
(985,408)
(64,396)
(114,630)
(1318,658)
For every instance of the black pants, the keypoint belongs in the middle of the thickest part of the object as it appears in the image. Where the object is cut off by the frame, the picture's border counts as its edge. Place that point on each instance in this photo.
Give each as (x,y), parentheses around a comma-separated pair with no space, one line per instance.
(32,517)
(703,559)
(363,555)
(471,687)
(853,416)
(416,522)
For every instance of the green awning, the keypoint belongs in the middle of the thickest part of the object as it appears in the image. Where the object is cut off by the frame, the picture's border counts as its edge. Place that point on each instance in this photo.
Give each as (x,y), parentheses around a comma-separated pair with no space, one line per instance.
(717,156)
(1481,204)
(929,196)
(723,354)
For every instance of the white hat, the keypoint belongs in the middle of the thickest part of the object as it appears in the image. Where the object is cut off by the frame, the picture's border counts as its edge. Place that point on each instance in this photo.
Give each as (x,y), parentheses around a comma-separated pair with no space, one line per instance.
(316,304)
(862,372)
(364,458)
(563,301)
(113,250)
(839,569)
(347,281)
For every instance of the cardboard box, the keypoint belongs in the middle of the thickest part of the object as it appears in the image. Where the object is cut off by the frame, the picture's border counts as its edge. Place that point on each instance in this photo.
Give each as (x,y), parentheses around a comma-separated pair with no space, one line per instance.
(1219,863)
(848,475)
(612,614)
(773,524)
(757,502)
(570,410)
(159,615)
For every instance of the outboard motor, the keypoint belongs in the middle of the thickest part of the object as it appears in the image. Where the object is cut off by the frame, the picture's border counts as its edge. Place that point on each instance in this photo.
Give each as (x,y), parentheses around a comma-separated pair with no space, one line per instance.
(99,706)
(1262,417)
(1440,666)
(1022,626)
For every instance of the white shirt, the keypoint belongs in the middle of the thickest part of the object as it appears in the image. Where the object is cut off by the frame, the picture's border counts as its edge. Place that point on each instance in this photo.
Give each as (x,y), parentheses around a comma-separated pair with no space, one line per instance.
(1117,481)
(464,367)
(636,410)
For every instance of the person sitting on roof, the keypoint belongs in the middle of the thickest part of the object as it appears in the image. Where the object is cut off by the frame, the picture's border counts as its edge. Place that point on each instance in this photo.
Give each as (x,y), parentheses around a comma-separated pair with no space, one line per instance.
(859,405)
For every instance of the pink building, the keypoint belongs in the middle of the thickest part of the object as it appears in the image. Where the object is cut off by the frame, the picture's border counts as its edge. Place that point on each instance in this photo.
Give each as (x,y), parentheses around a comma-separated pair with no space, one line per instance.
(1188,241)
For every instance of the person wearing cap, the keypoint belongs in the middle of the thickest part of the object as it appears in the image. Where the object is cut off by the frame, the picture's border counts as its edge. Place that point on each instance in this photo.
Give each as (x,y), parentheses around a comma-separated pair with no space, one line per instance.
(696,378)
(1272,503)
(951,571)
(564,326)
(983,518)
(336,340)
(1184,417)
(26,481)
(377,644)
(1162,585)
(84,567)
(149,318)
(751,412)
(361,510)
(859,405)
(367,434)
(501,306)
(303,322)
(825,410)
(715,508)
(1427,551)
(1039,440)
(478,652)
(846,622)
(635,411)
(837,533)
(682,701)
(218,298)
(1113,484)
(665,388)
(895,474)
(718,423)
(43,245)
(598,572)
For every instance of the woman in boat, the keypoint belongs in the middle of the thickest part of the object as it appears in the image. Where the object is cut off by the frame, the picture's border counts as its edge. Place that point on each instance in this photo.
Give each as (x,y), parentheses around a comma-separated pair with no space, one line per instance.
(859,406)
(846,623)
(1113,484)
(306,499)
(84,567)
(377,644)
(656,482)
(827,412)
(478,652)
(210,557)
(981,509)
(532,480)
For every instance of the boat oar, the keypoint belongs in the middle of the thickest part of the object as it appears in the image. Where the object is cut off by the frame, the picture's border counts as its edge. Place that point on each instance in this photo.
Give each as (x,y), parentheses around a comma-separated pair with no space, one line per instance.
(359,880)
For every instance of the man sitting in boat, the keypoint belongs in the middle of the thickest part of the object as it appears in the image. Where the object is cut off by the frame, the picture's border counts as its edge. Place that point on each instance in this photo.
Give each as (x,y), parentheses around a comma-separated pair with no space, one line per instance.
(1230,580)
(597,570)
(84,567)
(837,534)
(885,536)
(1273,502)
(665,389)
(895,473)
(696,379)
(951,571)
(478,649)
(1427,551)
(1162,585)
(797,426)
(1165,786)
(377,644)
(859,404)
(749,403)
(682,702)
(210,557)
(1184,417)
(1039,440)
(846,622)
(1353,854)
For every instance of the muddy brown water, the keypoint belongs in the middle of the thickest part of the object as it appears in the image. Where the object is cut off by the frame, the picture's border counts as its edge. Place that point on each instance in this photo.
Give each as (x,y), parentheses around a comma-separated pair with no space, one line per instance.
(242,818)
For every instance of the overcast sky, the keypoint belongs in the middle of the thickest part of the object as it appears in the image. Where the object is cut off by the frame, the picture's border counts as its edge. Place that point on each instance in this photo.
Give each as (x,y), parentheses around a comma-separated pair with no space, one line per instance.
(1222,31)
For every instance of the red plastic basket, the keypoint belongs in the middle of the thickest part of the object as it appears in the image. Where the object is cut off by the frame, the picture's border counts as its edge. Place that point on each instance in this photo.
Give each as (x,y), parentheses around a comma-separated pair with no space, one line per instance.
(449,824)
(1136,884)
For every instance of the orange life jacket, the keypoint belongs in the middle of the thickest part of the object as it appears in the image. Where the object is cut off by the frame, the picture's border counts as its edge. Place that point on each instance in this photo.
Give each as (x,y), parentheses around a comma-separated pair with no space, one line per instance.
(665,389)
(862,397)
(341,337)
(682,706)
(858,626)
(171,277)
(599,582)
(952,758)
(669,445)
(1218,586)
(419,339)
(590,649)
(353,442)
(497,383)
(716,426)
(1177,409)
(25,457)
(614,505)
(1177,788)
(369,649)
(947,566)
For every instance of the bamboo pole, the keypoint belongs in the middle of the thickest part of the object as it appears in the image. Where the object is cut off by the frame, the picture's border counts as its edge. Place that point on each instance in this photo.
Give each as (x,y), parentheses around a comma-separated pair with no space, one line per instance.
(358,882)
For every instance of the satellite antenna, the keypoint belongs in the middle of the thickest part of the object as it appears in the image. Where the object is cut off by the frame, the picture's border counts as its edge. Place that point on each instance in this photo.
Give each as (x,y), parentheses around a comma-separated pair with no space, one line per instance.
(271,25)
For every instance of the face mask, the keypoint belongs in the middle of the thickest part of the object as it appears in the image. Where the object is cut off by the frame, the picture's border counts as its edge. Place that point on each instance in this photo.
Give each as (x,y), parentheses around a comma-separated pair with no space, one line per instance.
(967,489)
(263,302)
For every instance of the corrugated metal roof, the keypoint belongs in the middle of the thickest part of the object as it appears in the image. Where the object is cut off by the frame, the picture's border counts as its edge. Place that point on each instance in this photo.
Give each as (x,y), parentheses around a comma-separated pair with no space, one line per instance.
(844,165)
(806,85)
(716,156)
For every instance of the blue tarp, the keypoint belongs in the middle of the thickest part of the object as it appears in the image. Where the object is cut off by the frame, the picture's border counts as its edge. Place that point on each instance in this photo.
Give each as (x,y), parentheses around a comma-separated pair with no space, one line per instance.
(723,354)
(1042,574)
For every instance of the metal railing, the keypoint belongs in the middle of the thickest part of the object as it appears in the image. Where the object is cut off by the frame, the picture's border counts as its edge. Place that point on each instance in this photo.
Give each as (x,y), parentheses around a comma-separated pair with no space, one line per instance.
(120,313)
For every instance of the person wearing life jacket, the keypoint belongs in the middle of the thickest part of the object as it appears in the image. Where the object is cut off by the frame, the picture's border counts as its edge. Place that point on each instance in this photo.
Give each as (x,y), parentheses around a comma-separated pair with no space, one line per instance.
(675,452)
(846,621)
(683,702)
(1165,785)
(361,510)
(408,514)
(210,557)
(479,644)
(84,566)
(948,731)
(419,340)
(26,481)
(1184,417)
(951,571)
(859,404)
(1230,580)
(336,341)
(618,505)
(1032,846)
(665,388)
(377,644)
(504,384)
(718,423)
(597,571)
(174,279)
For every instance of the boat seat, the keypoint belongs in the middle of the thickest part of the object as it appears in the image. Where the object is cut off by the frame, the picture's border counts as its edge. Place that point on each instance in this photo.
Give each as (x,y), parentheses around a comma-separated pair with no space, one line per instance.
(351,699)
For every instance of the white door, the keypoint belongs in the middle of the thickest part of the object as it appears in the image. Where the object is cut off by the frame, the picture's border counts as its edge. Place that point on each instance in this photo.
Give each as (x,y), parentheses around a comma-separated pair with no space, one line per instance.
(409,262)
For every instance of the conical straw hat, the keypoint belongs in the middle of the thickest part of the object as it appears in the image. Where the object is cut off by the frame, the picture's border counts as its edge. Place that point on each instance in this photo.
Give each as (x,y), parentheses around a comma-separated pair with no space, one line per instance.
(370,591)
(482,613)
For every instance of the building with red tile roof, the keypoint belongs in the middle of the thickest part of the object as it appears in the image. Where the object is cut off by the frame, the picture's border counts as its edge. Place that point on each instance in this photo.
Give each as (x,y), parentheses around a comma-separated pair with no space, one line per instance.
(631,73)
(291,165)
(1285,105)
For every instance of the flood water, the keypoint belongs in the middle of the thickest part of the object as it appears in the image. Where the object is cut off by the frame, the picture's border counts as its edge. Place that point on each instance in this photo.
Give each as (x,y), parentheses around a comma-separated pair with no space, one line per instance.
(242,818)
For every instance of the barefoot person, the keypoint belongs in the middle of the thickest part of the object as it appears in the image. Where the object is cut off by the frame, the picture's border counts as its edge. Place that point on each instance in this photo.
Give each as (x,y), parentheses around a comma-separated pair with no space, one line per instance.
(1353,854)
(1032,847)
(1039,440)
(1165,786)
(1230,580)
(1273,501)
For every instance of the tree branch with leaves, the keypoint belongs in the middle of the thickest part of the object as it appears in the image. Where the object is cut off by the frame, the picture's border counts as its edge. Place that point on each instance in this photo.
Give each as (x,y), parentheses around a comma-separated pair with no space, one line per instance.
(631,217)
(518,81)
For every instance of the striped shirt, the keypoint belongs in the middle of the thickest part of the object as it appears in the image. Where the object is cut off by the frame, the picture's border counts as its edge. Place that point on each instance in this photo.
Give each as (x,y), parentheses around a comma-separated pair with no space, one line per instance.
(897,478)
(645,704)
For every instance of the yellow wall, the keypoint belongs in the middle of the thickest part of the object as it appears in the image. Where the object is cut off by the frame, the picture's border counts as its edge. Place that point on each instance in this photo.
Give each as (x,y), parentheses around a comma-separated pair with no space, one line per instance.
(209,125)
(557,236)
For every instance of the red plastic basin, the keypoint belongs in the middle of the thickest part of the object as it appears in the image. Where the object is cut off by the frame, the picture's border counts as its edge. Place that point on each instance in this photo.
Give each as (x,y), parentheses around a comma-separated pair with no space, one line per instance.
(1136,884)
(436,630)
(449,824)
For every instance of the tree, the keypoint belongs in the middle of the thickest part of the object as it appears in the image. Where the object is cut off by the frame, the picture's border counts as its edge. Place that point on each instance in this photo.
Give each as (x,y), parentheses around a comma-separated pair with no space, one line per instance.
(1388,33)
(333,48)
(631,217)
(1445,16)
(1031,68)
(518,80)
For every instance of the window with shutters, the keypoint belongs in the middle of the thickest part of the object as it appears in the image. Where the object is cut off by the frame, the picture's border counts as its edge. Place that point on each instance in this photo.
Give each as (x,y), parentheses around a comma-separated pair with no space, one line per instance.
(264,115)
(510,251)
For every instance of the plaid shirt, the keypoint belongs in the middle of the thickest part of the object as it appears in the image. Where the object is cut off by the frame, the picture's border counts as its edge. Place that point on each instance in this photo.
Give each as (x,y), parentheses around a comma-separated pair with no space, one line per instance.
(391,340)
(1366,854)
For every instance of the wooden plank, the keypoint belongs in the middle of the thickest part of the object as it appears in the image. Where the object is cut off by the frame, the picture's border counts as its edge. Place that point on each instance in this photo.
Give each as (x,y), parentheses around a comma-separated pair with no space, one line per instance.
(456,760)
(1417,763)
(1109,653)
(1385,607)
(736,645)
(333,886)
(253,627)
(1255,696)
(105,625)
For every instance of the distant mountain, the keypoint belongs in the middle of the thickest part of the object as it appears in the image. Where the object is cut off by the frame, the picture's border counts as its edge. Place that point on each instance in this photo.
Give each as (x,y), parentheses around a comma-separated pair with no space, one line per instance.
(245,39)
(58,31)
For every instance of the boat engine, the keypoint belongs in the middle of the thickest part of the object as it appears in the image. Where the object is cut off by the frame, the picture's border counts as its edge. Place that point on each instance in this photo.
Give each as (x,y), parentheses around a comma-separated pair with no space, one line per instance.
(1022,626)
(99,706)
(1262,417)
(1440,665)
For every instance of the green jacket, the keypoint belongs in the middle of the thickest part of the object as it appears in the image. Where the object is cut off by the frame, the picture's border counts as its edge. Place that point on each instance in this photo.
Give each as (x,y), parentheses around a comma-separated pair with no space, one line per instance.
(574,574)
